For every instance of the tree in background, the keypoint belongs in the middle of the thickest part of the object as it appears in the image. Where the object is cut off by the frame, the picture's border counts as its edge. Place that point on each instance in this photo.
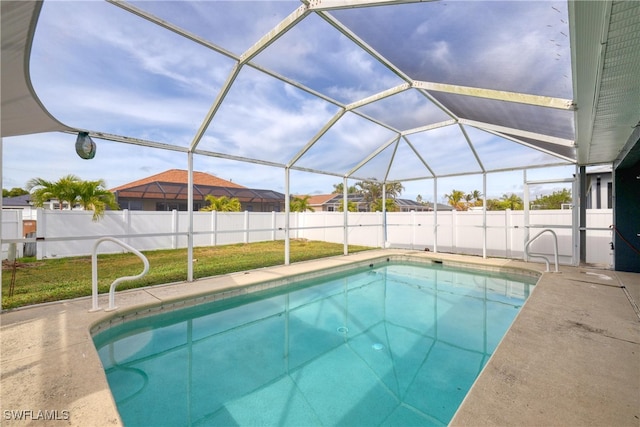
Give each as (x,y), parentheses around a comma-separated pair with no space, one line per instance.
(553,200)
(462,202)
(300,204)
(476,196)
(391,205)
(93,195)
(14,192)
(456,199)
(514,201)
(221,204)
(372,193)
(339,189)
(63,190)
(351,207)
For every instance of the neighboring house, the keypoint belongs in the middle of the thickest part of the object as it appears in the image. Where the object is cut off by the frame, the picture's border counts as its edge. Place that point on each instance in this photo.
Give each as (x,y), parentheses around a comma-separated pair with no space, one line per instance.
(411,205)
(321,202)
(24,203)
(332,203)
(168,190)
(599,188)
(19,202)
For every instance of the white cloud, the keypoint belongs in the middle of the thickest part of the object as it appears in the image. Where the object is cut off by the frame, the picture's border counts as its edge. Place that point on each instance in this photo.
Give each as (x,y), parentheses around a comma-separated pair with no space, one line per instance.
(99,67)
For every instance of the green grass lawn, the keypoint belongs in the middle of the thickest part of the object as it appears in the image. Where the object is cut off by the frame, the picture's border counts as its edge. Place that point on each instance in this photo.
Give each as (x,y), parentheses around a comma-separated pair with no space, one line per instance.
(57,279)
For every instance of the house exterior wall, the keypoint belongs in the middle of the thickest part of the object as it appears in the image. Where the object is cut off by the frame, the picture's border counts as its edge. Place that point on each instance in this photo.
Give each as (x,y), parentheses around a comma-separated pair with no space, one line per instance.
(181,205)
(627,226)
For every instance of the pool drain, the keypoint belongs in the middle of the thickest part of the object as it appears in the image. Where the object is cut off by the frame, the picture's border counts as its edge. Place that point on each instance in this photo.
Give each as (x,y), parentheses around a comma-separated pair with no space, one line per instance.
(343,329)
(377,346)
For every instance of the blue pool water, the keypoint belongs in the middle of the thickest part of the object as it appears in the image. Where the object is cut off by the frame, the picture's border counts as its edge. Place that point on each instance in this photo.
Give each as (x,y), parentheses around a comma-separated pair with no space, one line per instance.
(398,344)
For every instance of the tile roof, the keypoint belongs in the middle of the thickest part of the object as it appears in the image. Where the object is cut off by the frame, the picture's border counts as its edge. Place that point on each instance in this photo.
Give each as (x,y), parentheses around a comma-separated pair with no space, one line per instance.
(320,199)
(179,176)
(22,201)
(176,191)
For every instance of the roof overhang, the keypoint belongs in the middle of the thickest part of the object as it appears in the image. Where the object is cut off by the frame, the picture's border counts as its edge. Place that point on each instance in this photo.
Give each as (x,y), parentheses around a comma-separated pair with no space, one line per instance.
(605,46)
(22,112)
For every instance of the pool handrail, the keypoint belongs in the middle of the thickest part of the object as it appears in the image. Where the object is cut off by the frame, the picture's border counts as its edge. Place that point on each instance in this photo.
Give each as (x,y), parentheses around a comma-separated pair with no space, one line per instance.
(543,256)
(94,273)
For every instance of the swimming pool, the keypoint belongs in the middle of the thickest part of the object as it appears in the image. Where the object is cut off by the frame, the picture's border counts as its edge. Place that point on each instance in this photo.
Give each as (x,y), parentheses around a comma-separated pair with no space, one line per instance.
(390,344)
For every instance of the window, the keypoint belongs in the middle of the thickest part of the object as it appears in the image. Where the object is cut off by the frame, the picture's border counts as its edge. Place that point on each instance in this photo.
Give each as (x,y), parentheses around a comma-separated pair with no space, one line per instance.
(132,205)
(166,206)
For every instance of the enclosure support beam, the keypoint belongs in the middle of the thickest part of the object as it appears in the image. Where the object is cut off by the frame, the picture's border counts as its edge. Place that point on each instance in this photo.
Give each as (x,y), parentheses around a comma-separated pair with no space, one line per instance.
(498,95)
(190,215)
(384,216)
(484,215)
(582,201)
(576,207)
(1,149)
(345,209)
(287,214)
(525,197)
(435,215)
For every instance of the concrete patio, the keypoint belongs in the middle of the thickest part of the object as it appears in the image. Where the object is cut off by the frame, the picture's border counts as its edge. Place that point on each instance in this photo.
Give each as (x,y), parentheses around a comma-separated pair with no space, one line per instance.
(572,357)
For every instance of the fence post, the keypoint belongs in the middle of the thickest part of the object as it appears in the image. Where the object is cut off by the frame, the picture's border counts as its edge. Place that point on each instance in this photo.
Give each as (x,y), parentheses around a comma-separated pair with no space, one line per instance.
(41,231)
(214,228)
(174,229)
(126,223)
(507,233)
(324,226)
(273,225)
(246,227)
(413,229)
(380,231)
(454,234)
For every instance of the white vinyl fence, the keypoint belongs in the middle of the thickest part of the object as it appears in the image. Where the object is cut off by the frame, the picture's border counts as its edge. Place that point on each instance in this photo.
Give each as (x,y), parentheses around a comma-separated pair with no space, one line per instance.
(11,229)
(73,233)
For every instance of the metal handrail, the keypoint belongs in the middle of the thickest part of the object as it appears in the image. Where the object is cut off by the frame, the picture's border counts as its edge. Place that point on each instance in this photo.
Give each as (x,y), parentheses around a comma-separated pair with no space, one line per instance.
(543,256)
(112,288)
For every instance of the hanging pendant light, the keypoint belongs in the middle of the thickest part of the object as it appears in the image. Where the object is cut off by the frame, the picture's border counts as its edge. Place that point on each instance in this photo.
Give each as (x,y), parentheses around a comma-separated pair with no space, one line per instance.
(85,147)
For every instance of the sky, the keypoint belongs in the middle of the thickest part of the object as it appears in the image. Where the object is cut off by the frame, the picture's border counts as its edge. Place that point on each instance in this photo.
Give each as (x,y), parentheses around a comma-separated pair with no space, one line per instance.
(95,66)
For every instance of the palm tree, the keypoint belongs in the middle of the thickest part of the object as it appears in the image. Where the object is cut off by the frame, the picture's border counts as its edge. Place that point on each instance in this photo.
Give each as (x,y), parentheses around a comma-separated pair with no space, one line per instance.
(92,195)
(477,195)
(63,190)
(339,189)
(71,189)
(372,192)
(394,189)
(300,204)
(221,204)
(391,205)
(514,201)
(351,207)
(455,199)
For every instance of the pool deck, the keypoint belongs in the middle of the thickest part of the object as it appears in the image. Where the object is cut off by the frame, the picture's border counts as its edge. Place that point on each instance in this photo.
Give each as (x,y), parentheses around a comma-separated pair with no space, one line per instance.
(571,358)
